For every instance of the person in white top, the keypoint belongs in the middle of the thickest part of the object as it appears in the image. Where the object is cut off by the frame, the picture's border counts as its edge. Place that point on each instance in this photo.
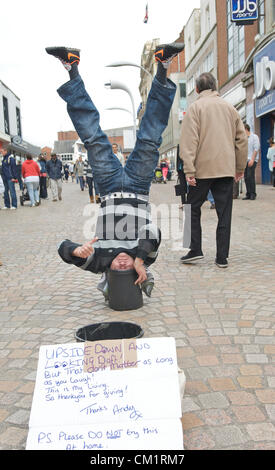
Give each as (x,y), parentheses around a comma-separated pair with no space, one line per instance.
(118,154)
(252,160)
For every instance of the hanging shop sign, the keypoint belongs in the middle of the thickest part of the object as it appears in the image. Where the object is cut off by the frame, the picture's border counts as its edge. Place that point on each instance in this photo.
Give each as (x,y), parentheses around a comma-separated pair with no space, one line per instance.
(243,11)
(264,79)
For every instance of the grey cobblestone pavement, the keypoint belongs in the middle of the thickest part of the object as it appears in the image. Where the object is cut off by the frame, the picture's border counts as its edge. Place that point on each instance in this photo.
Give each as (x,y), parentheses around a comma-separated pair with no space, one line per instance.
(223,319)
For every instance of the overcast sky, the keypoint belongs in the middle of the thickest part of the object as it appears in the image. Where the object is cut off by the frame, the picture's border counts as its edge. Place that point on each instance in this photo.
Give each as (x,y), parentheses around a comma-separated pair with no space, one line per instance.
(105,30)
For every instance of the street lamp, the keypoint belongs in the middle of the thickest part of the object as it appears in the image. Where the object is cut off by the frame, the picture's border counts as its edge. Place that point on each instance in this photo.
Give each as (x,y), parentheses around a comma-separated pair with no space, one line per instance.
(114,85)
(129,64)
(119,109)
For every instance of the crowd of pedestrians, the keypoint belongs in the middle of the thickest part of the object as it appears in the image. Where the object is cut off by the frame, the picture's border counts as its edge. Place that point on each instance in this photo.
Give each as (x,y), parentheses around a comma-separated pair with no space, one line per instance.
(39,179)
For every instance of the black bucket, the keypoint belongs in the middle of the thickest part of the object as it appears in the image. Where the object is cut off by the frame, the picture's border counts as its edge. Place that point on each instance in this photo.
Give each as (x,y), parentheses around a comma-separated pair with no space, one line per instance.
(122,291)
(109,330)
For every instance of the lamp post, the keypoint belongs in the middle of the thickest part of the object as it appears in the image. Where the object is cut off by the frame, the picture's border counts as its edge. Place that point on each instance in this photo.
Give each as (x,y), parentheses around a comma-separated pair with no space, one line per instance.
(129,64)
(115,85)
(119,109)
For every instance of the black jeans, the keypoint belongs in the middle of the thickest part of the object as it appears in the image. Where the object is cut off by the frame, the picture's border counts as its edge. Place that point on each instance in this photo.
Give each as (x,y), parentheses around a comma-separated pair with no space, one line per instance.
(90,185)
(222,190)
(43,187)
(249,178)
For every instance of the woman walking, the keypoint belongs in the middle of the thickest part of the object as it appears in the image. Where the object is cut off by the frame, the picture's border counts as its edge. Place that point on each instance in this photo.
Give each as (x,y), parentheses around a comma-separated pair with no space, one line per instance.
(43,177)
(31,175)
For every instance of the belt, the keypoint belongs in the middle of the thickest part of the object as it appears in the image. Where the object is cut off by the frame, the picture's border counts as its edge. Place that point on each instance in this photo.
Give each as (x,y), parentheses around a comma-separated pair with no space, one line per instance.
(122,195)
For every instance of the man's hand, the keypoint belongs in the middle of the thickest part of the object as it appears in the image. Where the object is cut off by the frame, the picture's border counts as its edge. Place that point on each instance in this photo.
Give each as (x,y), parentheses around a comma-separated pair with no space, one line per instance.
(140,269)
(250,163)
(85,250)
(238,177)
(191,181)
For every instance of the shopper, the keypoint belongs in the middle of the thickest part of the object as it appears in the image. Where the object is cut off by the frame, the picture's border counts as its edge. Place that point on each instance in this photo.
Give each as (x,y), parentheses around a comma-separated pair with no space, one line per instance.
(43,177)
(9,176)
(54,170)
(31,175)
(214,149)
(252,160)
(271,158)
(79,168)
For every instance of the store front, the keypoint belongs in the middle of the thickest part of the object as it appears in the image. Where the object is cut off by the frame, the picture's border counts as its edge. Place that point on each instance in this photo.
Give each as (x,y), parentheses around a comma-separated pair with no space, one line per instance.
(260,98)
(264,85)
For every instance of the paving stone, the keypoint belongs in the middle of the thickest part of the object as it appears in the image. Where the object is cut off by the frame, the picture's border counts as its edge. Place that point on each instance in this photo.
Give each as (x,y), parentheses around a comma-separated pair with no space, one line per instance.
(213,400)
(246,414)
(226,436)
(261,431)
(266,396)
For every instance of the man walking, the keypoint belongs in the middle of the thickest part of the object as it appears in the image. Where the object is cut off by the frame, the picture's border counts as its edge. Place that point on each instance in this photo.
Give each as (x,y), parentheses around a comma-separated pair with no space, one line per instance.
(252,160)
(213,146)
(54,170)
(9,176)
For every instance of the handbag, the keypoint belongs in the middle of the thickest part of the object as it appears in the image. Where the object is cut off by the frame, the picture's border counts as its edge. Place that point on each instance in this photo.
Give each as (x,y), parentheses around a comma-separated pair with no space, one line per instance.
(178,189)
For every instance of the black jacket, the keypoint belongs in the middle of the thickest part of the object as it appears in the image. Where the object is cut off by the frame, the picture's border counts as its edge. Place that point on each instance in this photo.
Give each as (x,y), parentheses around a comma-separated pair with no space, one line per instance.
(142,238)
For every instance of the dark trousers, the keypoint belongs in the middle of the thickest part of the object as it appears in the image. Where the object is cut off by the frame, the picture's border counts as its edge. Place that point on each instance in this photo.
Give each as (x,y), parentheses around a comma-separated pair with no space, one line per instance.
(90,185)
(43,187)
(249,178)
(222,190)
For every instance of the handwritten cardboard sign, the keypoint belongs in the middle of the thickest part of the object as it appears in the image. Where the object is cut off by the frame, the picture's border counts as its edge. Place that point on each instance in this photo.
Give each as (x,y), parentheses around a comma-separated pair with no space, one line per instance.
(107,395)
(116,354)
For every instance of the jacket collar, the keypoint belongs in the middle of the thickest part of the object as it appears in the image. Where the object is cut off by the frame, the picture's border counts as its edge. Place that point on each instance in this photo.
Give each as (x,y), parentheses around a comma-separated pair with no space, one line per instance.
(208,93)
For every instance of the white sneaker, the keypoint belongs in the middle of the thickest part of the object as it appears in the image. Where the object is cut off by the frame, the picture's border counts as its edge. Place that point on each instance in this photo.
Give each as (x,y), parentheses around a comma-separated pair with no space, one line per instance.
(5,208)
(13,208)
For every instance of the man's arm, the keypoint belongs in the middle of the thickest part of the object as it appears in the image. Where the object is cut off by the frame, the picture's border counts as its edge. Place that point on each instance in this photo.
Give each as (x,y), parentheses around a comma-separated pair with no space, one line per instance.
(79,255)
(189,141)
(241,149)
(256,147)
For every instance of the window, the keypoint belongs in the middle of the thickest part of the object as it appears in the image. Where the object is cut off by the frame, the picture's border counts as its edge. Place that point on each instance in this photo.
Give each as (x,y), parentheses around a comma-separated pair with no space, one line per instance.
(6,115)
(235,41)
(190,85)
(208,63)
(261,17)
(182,89)
(18,122)
(207,19)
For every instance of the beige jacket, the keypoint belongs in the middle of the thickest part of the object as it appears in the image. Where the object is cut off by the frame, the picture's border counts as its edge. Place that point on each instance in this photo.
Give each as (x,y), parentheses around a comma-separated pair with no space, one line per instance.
(213,142)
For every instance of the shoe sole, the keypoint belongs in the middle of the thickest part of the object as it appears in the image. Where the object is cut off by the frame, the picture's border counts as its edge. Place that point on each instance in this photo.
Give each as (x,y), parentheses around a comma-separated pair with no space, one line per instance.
(222,265)
(190,260)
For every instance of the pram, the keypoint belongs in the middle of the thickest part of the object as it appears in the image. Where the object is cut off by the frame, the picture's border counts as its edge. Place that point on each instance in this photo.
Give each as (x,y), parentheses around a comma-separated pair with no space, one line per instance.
(24,196)
(158,178)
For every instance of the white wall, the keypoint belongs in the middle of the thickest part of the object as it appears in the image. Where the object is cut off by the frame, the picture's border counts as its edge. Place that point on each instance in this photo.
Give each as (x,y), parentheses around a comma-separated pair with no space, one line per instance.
(13,103)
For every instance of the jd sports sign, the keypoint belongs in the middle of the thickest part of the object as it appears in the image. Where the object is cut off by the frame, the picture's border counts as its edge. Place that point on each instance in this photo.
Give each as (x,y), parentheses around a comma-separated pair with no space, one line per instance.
(244,10)
(264,79)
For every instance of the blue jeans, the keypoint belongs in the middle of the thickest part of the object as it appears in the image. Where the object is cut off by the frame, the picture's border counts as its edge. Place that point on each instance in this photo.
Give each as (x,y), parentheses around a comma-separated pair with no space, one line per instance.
(81,181)
(109,174)
(33,192)
(9,188)
(210,197)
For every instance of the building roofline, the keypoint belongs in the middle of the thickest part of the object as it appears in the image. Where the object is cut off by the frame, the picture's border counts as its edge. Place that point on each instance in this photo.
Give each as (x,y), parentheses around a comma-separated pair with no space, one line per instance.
(9,89)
